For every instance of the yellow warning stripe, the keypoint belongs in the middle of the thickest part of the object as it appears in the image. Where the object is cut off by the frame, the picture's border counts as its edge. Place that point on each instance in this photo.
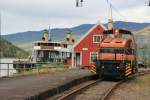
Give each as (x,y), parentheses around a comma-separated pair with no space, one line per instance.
(128,73)
(93,66)
(93,72)
(93,69)
(127,65)
(128,68)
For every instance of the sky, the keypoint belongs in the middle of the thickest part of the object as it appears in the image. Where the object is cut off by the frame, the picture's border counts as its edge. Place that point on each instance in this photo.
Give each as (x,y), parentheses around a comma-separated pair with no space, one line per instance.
(34,15)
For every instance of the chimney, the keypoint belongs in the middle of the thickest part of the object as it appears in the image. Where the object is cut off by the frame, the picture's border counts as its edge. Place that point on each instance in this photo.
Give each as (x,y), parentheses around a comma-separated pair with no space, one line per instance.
(69,38)
(45,35)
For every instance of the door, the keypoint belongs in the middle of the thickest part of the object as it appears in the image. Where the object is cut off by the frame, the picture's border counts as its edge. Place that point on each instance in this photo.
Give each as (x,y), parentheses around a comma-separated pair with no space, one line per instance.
(78,59)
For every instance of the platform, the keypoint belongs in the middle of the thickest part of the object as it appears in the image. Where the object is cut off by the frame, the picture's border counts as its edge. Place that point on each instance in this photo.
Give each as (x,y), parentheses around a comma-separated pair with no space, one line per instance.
(40,86)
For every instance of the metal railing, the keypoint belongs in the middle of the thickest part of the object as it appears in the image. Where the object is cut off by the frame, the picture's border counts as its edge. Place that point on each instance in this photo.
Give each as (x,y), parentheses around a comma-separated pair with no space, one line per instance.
(12,69)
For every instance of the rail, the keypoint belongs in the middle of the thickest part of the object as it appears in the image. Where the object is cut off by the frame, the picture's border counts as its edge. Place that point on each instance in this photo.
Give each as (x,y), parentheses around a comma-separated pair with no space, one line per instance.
(79,89)
(107,93)
(16,68)
(111,90)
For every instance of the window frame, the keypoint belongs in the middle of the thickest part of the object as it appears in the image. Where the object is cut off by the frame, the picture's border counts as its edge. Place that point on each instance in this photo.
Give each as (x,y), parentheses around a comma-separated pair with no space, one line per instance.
(91,56)
(112,50)
(101,36)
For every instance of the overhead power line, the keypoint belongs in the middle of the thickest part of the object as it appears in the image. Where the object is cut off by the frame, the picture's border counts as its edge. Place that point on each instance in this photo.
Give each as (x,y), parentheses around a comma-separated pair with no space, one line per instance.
(113,8)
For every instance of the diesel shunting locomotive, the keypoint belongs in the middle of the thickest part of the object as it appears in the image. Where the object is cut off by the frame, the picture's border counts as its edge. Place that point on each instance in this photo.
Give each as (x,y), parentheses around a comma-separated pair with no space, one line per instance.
(117,55)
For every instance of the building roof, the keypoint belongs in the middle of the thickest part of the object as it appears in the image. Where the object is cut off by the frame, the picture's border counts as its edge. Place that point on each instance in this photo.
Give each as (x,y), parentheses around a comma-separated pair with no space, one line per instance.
(87,33)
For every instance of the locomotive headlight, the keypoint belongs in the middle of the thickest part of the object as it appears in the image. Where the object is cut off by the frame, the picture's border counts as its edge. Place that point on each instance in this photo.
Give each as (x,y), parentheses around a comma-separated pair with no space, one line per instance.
(117,67)
(103,67)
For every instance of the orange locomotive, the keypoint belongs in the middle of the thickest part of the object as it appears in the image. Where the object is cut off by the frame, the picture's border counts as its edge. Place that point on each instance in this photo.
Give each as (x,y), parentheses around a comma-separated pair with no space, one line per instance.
(117,54)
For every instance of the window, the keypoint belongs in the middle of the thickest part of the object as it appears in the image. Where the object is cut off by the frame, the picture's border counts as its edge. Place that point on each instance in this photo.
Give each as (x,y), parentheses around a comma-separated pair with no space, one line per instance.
(93,56)
(112,50)
(109,35)
(126,36)
(97,38)
(131,51)
(40,54)
(106,50)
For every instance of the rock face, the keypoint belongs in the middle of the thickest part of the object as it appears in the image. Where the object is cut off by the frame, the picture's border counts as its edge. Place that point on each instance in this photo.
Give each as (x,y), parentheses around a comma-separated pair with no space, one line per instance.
(7,49)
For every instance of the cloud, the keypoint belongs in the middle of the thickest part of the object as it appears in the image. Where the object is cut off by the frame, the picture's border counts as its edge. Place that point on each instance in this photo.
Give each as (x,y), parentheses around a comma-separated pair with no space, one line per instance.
(137,14)
(24,15)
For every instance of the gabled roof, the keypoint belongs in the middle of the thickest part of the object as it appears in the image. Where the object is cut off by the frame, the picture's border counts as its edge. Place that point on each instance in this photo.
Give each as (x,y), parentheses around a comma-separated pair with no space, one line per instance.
(94,26)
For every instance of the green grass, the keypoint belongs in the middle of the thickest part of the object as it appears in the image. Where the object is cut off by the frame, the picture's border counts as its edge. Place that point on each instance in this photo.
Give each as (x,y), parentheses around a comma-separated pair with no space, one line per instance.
(25,46)
(8,49)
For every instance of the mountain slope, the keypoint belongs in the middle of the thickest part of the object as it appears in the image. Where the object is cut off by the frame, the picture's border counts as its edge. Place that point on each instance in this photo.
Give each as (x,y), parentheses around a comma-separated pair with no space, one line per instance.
(9,50)
(59,33)
(25,39)
(132,26)
(143,42)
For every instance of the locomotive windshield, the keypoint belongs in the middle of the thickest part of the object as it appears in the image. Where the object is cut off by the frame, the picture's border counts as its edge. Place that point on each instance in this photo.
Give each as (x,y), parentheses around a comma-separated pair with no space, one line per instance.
(109,35)
(112,50)
(126,36)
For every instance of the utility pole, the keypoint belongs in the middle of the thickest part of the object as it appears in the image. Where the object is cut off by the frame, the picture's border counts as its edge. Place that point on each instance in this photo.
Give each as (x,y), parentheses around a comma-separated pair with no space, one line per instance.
(50,35)
(79,3)
(147,3)
(110,16)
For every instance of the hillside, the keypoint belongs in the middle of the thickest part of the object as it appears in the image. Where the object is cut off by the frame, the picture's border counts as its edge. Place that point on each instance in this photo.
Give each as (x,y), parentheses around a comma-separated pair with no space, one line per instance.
(25,39)
(58,33)
(143,36)
(9,50)
(143,41)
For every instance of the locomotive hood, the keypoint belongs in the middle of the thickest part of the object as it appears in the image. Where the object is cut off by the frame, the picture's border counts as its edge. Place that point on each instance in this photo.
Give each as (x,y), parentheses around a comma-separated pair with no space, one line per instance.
(115,42)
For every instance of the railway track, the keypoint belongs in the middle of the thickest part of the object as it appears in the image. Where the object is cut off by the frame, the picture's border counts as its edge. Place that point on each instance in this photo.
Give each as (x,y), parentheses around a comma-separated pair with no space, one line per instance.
(92,90)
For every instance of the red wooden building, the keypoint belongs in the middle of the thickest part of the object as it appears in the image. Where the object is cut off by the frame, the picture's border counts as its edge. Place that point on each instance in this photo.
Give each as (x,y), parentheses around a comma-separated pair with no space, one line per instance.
(84,51)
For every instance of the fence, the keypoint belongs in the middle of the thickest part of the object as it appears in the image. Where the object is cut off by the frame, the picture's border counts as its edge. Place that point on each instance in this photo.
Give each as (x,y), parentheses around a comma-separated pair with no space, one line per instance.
(11,69)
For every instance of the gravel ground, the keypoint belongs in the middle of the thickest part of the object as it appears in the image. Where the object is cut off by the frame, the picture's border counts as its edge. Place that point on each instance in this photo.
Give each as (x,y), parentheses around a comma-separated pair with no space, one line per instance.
(96,92)
(135,89)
